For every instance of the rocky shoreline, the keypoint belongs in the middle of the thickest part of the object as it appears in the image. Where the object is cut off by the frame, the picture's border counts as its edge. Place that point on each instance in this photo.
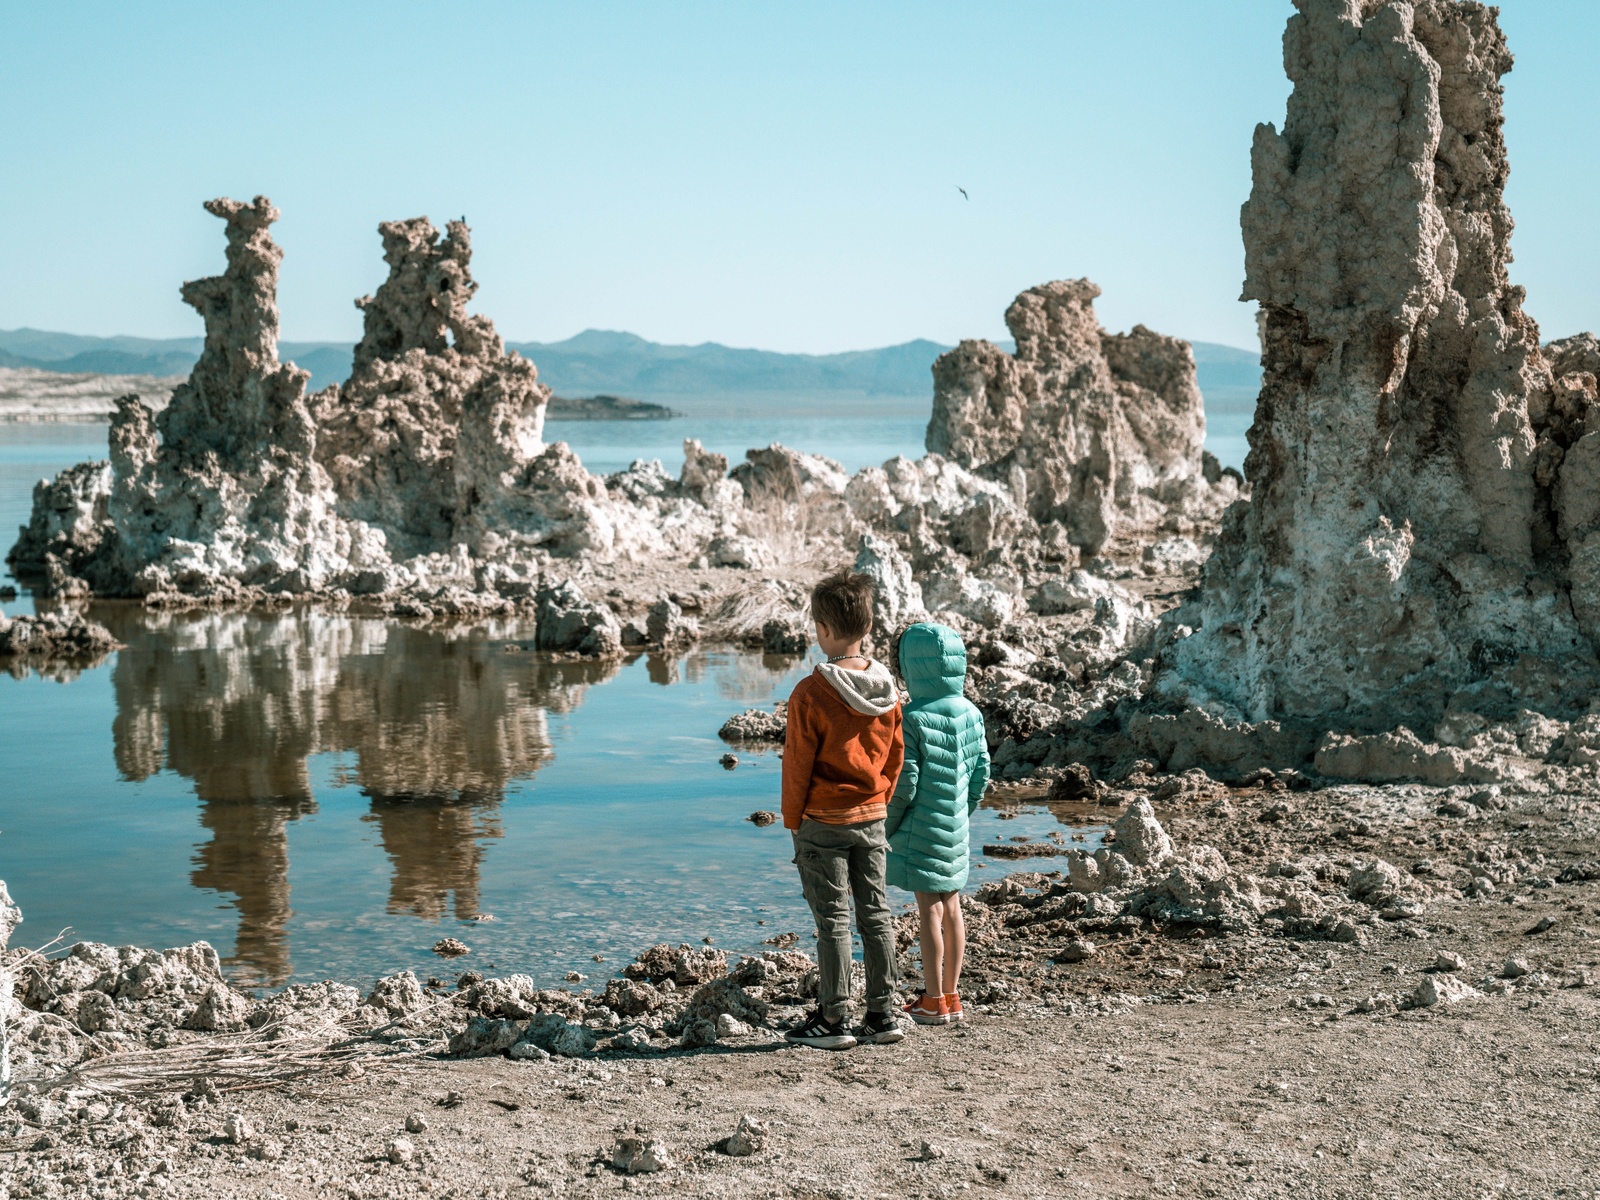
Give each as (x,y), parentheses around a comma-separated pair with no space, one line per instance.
(1334,905)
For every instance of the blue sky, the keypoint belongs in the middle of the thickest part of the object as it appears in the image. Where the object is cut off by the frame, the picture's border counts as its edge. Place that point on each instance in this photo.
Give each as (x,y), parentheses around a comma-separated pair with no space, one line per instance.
(760,175)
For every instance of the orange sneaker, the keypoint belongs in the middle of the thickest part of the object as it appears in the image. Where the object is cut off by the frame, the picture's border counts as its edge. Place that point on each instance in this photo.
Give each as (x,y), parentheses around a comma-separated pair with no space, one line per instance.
(952,1005)
(928,1010)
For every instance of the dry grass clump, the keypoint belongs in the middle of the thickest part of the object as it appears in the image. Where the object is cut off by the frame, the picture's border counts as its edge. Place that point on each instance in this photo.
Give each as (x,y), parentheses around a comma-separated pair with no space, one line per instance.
(800,528)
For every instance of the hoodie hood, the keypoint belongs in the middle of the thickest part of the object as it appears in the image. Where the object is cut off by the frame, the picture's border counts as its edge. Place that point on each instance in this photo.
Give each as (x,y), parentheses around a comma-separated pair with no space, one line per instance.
(933,661)
(871,692)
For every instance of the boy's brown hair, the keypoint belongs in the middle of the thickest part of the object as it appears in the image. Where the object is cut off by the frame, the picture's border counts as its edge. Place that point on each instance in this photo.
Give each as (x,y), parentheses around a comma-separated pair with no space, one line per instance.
(843,602)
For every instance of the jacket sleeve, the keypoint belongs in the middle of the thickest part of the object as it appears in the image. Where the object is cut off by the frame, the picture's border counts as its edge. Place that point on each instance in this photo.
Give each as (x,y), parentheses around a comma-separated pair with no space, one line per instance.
(799,756)
(905,789)
(978,782)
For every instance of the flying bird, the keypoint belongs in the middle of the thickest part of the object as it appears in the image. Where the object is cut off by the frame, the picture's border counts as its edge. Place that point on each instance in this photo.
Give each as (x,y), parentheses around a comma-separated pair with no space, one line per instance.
(963,192)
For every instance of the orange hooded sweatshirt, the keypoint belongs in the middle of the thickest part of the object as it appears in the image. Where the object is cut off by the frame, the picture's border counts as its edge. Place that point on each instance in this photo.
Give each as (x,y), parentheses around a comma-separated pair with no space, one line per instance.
(844,747)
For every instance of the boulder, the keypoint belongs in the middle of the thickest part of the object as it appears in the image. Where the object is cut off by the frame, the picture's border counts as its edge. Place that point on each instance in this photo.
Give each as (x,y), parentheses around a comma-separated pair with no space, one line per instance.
(514,996)
(632,997)
(1078,591)
(397,995)
(750,1137)
(641,1156)
(1401,755)
(1083,872)
(667,627)
(786,635)
(896,596)
(484,1036)
(221,1010)
(755,725)
(10,916)
(705,477)
(1442,989)
(1377,883)
(556,1034)
(1077,950)
(723,997)
(70,523)
(569,622)
(973,597)
(740,552)
(692,965)
(305,1008)
(1140,839)
(55,636)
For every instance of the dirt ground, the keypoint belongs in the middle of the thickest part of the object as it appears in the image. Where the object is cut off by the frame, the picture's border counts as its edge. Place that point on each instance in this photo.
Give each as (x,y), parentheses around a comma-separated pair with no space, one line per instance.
(1168,1064)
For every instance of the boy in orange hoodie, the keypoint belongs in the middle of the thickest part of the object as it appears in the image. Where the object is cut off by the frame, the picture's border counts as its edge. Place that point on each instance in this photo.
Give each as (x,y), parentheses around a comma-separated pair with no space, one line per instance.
(841,759)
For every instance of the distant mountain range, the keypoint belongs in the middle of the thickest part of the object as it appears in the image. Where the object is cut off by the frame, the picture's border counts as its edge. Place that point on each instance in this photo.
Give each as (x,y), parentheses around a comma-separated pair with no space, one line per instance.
(701,380)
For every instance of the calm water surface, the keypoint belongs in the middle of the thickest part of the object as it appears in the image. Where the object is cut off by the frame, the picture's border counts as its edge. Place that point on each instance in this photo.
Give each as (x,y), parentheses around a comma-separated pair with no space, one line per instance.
(325,796)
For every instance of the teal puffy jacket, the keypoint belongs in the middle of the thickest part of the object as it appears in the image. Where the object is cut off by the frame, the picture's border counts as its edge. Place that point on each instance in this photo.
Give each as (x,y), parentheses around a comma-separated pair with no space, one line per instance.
(946,767)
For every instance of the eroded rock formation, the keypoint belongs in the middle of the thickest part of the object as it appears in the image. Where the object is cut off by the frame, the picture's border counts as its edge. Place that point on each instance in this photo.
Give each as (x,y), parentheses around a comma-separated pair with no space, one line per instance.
(222,485)
(424,480)
(52,639)
(1101,433)
(437,426)
(1424,528)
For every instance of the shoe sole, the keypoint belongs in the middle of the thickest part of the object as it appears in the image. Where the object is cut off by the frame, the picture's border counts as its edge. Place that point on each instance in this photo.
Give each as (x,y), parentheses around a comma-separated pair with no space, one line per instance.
(887,1038)
(930,1018)
(841,1041)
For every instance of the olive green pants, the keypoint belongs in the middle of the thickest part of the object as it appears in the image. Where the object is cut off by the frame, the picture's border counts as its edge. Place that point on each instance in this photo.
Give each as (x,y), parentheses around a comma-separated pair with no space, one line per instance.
(837,862)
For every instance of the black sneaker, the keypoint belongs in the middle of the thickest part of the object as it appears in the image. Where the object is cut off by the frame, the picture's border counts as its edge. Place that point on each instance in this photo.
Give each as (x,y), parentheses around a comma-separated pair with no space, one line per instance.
(880,1029)
(821,1033)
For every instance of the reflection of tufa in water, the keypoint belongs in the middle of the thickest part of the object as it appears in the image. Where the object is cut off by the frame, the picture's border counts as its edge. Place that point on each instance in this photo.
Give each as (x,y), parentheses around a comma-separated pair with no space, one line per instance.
(440,722)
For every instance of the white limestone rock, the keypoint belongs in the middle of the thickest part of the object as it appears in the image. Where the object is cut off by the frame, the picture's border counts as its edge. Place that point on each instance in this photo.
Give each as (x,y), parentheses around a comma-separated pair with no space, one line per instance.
(977,598)
(221,1010)
(10,916)
(568,621)
(896,596)
(1442,988)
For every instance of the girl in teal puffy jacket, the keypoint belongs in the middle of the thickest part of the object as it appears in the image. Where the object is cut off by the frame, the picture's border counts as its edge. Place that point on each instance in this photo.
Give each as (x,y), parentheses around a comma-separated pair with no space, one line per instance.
(946,771)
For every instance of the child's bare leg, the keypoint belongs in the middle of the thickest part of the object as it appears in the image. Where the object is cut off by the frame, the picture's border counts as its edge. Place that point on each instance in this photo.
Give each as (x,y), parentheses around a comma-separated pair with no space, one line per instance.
(930,913)
(954,927)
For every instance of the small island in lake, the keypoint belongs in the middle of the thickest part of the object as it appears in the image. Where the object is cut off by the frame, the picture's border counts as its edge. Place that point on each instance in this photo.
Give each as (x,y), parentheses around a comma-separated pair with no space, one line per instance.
(606,408)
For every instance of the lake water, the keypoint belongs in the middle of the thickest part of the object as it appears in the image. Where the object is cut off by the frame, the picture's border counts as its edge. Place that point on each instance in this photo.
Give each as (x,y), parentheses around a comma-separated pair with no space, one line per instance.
(324,796)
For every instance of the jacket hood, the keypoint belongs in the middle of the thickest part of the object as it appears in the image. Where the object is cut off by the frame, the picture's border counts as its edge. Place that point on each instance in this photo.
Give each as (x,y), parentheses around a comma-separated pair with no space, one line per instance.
(933,661)
(871,692)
